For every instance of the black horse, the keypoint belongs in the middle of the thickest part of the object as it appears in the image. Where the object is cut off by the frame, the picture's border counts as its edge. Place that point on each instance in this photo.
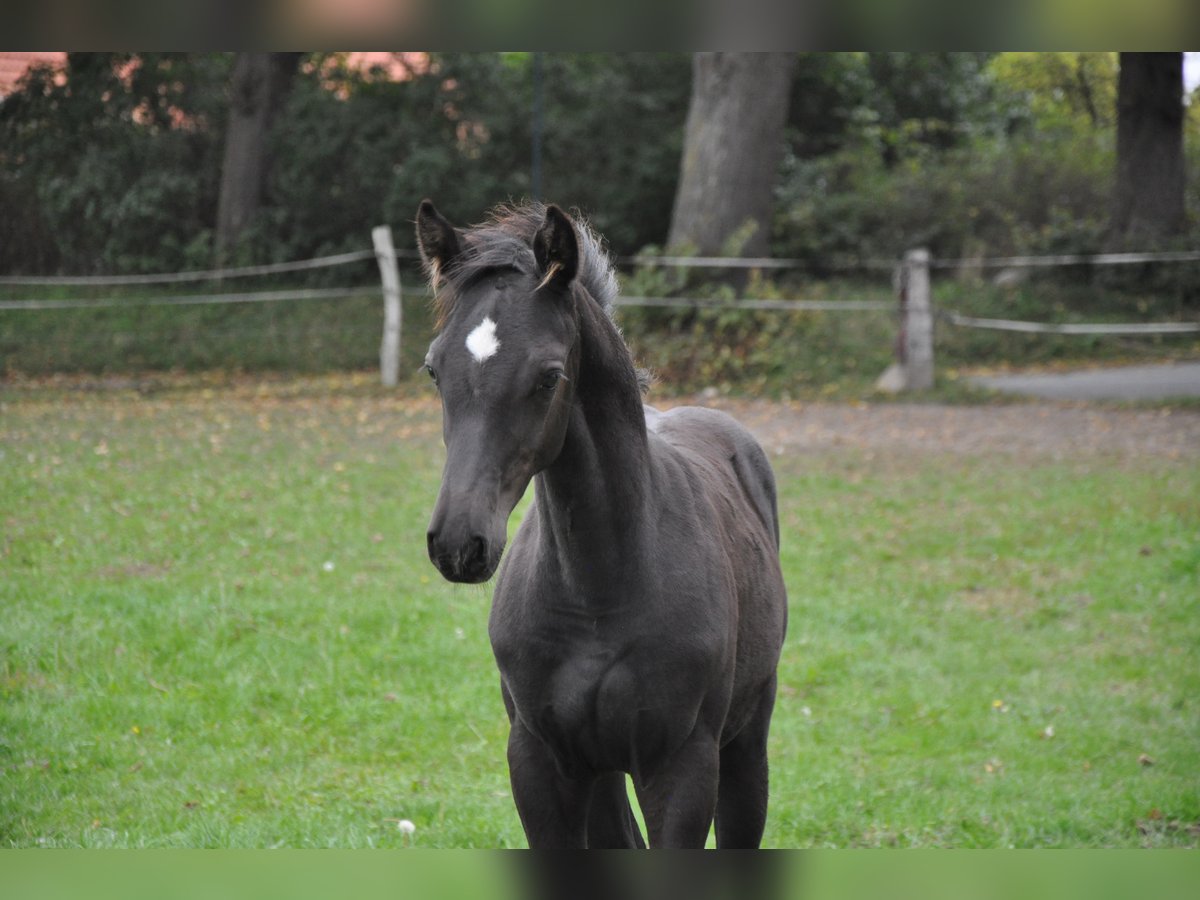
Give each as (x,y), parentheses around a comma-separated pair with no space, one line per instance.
(638,617)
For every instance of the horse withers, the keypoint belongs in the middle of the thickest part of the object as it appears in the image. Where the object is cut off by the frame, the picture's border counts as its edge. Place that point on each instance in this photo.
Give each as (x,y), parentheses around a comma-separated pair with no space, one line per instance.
(638,616)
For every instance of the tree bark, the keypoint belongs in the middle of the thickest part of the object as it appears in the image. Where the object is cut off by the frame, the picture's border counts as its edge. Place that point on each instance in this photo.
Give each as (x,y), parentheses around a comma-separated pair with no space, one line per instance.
(733,142)
(258,87)
(1149,199)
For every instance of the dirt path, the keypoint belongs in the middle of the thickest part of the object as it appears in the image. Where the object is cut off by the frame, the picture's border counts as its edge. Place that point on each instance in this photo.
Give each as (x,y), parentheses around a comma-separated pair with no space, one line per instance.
(1041,430)
(1034,429)
(1181,379)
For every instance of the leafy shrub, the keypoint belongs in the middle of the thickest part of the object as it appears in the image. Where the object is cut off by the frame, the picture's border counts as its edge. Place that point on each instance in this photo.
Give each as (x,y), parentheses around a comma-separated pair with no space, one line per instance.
(996,198)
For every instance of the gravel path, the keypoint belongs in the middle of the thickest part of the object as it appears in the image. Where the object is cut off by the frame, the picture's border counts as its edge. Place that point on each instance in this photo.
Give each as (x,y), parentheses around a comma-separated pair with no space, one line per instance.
(1041,430)
(1115,383)
(1034,429)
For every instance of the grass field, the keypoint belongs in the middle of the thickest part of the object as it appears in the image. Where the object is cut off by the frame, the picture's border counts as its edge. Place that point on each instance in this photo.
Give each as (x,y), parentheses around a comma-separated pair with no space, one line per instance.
(219,629)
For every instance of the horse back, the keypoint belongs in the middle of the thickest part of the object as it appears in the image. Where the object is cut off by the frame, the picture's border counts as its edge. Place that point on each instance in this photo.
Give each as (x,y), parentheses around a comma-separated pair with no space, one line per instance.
(728,454)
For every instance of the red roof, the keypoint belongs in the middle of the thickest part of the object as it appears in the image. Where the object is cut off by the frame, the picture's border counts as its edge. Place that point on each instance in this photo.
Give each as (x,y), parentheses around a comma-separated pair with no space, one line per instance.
(14,63)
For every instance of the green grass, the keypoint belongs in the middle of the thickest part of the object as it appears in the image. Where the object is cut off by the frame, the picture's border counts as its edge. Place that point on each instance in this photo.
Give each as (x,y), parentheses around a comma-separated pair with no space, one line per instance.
(220,629)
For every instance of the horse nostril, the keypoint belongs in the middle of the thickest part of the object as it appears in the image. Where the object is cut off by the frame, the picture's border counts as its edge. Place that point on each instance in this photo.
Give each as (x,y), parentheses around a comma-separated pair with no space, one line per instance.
(474,560)
(476,548)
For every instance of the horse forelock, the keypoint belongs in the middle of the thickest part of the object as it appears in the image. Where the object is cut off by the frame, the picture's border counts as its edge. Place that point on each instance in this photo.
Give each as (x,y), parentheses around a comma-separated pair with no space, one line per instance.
(504,240)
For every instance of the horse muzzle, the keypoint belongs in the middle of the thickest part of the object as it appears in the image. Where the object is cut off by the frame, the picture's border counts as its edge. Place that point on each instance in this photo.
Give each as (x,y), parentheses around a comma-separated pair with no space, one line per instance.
(472,559)
(468,529)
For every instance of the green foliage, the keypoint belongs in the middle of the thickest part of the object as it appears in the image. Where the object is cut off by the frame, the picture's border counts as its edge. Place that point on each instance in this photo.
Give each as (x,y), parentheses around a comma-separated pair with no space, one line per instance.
(967,154)
(935,100)
(115,165)
(1060,91)
(994,198)
(731,348)
(116,168)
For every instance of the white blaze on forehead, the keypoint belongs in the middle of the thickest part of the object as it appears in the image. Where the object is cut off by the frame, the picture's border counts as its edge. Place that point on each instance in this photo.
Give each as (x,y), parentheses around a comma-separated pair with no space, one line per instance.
(482,342)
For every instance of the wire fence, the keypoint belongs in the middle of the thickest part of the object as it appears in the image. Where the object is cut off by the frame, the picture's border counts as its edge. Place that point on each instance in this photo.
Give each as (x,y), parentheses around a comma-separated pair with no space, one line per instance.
(1127,328)
(900,272)
(1062,260)
(302,265)
(191,299)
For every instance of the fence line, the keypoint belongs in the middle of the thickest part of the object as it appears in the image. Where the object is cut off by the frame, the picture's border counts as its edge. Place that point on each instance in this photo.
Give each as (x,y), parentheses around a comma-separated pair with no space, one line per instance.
(301,265)
(751,303)
(192,299)
(1071,259)
(914,364)
(1071,328)
(912,370)
(748,262)
(711,262)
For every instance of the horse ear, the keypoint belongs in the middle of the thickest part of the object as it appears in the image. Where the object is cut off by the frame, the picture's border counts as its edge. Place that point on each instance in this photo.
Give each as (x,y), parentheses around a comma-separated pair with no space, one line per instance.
(556,249)
(437,240)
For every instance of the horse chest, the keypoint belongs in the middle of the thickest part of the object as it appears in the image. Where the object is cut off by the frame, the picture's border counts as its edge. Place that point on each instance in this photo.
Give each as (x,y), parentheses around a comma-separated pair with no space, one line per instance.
(597,699)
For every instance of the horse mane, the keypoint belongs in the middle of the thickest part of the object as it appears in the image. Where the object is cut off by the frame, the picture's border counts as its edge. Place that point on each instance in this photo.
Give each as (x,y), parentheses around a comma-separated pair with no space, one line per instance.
(504,240)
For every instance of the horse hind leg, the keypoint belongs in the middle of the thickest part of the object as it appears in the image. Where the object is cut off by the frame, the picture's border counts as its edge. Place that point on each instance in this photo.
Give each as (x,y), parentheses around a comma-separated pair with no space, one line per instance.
(742,791)
(611,823)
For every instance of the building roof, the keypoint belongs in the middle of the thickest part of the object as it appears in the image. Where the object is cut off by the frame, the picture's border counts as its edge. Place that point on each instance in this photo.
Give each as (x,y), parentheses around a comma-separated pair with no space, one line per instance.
(14,64)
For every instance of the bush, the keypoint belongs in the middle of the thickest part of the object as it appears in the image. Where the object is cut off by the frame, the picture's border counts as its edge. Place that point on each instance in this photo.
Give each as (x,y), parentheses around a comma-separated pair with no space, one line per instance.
(994,198)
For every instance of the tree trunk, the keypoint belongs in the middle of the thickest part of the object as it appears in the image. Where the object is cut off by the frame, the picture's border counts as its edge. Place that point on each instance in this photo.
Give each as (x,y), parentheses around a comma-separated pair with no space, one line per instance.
(258,86)
(1149,203)
(732,147)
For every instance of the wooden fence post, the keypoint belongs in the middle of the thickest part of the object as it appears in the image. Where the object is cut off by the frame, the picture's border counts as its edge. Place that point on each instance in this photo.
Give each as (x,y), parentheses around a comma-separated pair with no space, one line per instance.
(918,322)
(389,351)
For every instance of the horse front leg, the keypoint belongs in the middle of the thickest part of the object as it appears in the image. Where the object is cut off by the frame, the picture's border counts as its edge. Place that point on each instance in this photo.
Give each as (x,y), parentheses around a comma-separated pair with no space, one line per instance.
(742,795)
(679,798)
(553,808)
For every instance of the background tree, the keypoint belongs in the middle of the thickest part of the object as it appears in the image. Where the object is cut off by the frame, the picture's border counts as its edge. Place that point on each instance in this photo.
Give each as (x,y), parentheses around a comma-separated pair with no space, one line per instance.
(1059,91)
(258,88)
(111,165)
(934,100)
(732,146)
(1148,202)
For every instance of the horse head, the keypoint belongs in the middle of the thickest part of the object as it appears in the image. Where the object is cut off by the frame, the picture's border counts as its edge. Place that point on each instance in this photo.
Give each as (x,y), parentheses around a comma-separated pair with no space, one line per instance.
(505,362)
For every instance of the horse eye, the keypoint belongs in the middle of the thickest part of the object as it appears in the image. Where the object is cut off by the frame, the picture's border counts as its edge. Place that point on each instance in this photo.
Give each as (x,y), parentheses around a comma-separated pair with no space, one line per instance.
(432,373)
(550,380)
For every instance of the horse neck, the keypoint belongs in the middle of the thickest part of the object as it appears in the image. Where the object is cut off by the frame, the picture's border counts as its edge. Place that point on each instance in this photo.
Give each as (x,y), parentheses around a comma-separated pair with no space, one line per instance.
(594,494)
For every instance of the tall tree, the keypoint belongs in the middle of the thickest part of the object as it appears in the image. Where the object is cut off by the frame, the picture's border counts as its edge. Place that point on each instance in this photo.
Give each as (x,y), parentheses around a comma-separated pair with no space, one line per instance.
(1149,197)
(258,87)
(733,142)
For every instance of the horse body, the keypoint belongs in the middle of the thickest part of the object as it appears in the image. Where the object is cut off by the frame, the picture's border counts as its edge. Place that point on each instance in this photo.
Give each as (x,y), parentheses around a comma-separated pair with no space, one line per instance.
(639,613)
